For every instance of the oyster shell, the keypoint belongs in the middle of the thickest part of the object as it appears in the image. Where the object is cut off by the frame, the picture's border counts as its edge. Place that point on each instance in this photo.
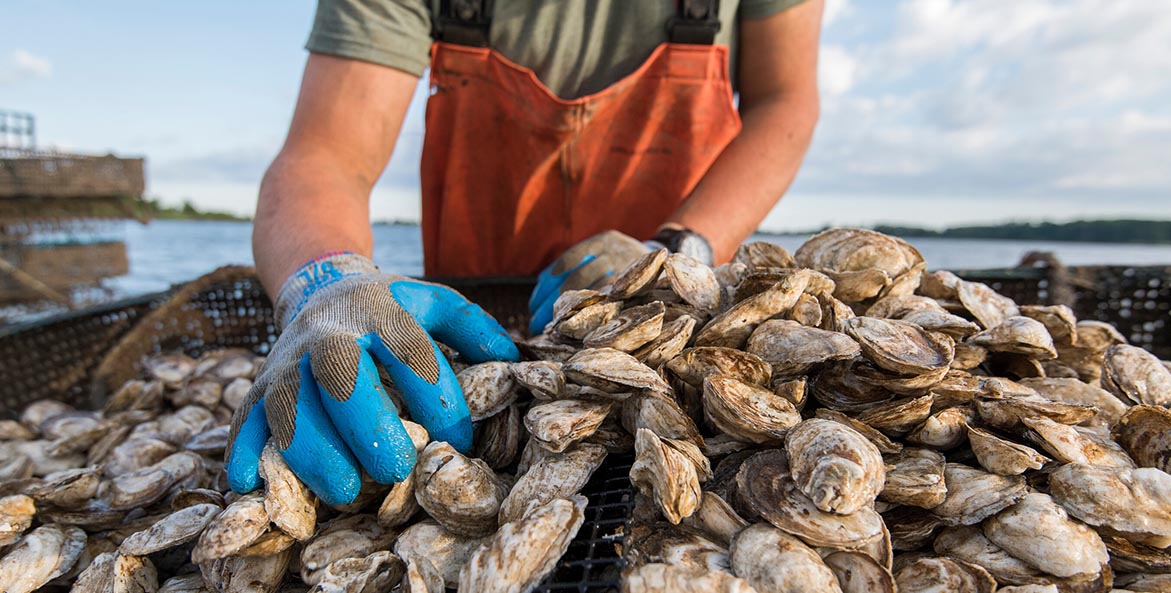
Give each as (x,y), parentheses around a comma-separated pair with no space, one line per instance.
(835,466)
(1002,456)
(1018,335)
(173,530)
(693,365)
(939,575)
(1135,374)
(462,494)
(677,546)
(1059,320)
(665,578)
(16,516)
(863,263)
(1145,433)
(794,349)
(747,412)
(667,474)
(859,573)
(233,529)
(42,555)
(147,485)
(884,444)
(772,560)
(639,277)
(897,418)
(523,551)
(555,476)
(900,347)
(613,371)
(670,342)
(1073,391)
(630,329)
(558,424)
(488,388)
(732,327)
(1131,502)
(1040,532)
(694,282)
(1075,444)
(427,542)
(765,485)
(915,477)
(716,519)
(974,495)
(945,429)
(543,379)
(762,254)
(989,307)
(970,545)
(374,573)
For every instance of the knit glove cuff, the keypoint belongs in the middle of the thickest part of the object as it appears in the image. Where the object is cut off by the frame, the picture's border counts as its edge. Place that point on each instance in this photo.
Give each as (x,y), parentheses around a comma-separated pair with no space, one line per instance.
(318,273)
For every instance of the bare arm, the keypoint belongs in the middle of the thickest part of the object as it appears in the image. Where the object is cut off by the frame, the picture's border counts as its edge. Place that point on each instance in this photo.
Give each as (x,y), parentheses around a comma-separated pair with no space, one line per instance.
(779,108)
(315,196)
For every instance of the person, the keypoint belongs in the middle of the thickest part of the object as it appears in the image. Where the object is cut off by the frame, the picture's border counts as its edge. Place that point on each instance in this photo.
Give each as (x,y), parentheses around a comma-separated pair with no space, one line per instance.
(563,131)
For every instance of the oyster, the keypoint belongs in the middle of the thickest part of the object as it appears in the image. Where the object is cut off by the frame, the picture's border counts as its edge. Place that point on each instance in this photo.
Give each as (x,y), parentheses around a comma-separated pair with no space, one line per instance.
(693,365)
(665,578)
(1131,502)
(974,495)
(555,476)
(732,327)
(915,477)
(173,530)
(1067,548)
(862,263)
(523,551)
(764,484)
(1137,375)
(488,388)
(900,347)
(462,494)
(746,412)
(694,282)
(670,342)
(679,547)
(446,553)
(639,277)
(970,545)
(42,555)
(793,349)
(1075,444)
(558,424)
(16,515)
(945,429)
(629,330)
(897,418)
(543,379)
(1059,320)
(613,371)
(1002,456)
(772,560)
(233,529)
(669,475)
(986,305)
(716,519)
(939,575)
(1073,391)
(859,573)
(1017,335)
(835,466)
(762,254)
(1145,433)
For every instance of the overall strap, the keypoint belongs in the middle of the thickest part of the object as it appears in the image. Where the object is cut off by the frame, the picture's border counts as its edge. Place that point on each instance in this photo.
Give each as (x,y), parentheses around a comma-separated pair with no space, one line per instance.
(696,22)
(463,22)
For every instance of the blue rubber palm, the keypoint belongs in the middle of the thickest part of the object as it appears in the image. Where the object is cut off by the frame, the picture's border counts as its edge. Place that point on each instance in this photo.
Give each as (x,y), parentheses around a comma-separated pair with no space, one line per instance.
(582,266)
(319,395)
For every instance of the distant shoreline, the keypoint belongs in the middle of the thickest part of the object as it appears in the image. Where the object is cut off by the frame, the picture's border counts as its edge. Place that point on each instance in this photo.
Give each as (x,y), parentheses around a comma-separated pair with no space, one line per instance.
(1123,231)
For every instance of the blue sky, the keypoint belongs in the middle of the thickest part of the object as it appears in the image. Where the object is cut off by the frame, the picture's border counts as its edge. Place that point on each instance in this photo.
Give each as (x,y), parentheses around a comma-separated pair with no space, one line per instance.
(933,111)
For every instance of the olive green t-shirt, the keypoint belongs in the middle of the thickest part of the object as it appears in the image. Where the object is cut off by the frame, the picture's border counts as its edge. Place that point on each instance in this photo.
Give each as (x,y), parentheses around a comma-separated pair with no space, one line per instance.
(575,47)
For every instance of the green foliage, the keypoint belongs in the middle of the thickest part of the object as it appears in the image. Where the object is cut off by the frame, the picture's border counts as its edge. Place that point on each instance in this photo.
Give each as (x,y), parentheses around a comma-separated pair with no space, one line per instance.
(155,209)
(1095,231)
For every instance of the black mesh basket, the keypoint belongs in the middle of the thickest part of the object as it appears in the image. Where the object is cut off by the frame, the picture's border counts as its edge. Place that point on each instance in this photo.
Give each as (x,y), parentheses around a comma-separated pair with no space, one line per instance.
(79,356)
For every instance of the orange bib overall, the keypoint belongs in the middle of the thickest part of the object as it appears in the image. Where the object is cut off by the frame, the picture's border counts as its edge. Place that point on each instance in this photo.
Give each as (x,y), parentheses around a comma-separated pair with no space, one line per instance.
(512,175)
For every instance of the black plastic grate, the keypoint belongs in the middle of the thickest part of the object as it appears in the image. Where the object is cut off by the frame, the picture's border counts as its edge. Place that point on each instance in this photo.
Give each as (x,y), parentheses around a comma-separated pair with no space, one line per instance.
(593,563)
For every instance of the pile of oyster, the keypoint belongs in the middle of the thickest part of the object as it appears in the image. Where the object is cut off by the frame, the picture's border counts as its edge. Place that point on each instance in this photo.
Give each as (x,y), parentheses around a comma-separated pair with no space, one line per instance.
(833,420)
(839,419)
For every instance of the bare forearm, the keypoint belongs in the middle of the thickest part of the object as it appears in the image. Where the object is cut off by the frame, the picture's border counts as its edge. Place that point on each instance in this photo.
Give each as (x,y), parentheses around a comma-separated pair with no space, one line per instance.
(308,206)
(752,174)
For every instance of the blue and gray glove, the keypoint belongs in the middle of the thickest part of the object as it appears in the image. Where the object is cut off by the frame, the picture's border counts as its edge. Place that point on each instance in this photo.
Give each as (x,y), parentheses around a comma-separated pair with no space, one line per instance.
(319,394)
(585,265)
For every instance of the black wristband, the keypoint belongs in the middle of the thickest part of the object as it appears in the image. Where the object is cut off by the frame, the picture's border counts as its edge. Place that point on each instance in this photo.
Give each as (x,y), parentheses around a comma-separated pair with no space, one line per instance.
(686,242)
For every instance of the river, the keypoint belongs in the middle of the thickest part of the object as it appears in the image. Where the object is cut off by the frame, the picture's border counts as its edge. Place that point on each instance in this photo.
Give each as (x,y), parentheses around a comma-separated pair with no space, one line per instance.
(166,252)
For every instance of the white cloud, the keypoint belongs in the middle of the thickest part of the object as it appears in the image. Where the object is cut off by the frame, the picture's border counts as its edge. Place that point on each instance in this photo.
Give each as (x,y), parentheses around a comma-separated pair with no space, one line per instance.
(836,70)
(835,10)
(23,65)
(1000,102)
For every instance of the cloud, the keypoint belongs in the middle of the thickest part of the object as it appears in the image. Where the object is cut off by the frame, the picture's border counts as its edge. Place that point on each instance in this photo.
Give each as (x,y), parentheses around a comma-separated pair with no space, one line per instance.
(23,65)
(1027,103)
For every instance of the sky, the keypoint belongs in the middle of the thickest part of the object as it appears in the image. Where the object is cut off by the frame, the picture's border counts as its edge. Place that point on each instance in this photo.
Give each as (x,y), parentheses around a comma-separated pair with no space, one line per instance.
(934,112)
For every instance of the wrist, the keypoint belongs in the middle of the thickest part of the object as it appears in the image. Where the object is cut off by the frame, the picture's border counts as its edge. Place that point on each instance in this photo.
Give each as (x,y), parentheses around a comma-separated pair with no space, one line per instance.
(314,275)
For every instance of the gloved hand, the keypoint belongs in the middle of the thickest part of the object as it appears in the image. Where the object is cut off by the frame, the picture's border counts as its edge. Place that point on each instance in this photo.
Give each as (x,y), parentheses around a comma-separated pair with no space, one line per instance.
(582,266)
(319,393)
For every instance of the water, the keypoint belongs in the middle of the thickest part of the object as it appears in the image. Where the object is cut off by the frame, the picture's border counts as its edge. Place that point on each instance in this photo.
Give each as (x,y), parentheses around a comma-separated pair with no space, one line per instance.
(168,252)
